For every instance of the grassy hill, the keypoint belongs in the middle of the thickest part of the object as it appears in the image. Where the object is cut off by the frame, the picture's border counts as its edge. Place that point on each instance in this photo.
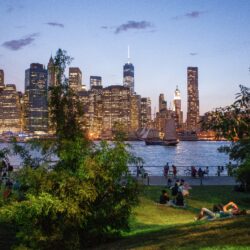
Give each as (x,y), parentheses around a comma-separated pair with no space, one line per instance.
(160,227)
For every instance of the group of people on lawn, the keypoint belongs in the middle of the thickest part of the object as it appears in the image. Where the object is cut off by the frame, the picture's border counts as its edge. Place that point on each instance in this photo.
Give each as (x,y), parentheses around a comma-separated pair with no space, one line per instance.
(178,191)
(181,189)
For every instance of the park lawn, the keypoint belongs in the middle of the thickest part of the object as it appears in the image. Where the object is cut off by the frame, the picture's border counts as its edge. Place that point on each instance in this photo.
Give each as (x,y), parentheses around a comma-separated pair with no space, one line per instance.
(160,227)
(156,226)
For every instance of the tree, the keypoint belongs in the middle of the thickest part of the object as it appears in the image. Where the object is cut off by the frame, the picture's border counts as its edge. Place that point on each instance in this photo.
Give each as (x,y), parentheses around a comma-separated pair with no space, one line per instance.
(233,122)
(88,194)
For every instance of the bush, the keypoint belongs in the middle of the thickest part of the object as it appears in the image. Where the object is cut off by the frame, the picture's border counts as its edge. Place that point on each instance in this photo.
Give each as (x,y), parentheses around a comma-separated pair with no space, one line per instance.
(243,174)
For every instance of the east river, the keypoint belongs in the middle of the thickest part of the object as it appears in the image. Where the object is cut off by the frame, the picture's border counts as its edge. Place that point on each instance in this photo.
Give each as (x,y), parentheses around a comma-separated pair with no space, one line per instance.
(185,154)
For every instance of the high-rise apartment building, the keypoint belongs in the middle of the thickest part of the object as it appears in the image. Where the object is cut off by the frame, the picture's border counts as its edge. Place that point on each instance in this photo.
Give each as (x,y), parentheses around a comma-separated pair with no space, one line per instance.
(162,103)
(1,79)
(193,99)
(149,111)
(95,81)
(145,115)
(36,104)
(177,108)
(10,110)
(135,112)
(75,78)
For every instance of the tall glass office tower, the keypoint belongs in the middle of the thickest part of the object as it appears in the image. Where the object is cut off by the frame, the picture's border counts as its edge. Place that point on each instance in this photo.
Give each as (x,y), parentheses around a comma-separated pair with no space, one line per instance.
(36,106)
(128,75)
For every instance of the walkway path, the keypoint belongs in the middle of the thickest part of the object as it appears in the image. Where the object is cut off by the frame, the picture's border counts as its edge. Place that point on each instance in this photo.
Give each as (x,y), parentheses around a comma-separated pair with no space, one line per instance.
(211,180)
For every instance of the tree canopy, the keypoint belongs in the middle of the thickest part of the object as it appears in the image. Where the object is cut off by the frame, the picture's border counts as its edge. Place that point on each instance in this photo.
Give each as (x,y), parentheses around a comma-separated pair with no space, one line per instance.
(233,122)
(85,197)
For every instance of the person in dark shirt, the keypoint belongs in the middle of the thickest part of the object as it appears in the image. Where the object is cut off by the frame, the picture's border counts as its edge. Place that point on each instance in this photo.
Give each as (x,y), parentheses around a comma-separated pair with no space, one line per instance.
(164,198)
(179,200)
(174,189)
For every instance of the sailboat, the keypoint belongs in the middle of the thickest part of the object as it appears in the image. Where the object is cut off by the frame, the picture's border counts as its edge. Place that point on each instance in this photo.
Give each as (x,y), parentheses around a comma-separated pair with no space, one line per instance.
(152,137)
(170,137)
(141,132)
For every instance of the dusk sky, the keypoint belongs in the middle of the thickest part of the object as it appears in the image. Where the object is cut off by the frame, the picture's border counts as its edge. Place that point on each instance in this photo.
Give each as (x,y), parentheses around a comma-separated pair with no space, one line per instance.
(165,37)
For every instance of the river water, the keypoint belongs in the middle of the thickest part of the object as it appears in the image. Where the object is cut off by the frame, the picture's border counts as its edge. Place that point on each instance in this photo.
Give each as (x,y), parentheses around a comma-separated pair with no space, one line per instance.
(185,154)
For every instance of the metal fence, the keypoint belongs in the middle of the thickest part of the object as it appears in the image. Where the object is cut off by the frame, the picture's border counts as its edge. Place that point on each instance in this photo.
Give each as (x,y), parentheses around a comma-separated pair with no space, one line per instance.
(182,170)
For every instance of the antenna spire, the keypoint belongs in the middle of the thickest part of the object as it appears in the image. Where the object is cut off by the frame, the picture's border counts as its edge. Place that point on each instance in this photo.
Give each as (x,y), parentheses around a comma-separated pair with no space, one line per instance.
(128,54)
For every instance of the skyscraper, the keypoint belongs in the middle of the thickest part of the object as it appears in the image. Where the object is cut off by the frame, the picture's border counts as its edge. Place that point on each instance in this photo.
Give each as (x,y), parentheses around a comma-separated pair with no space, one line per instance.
(1,79)
(52,81)
(10,109)
(75,78)
(177,107)
(116,108)
(95,81)
(145,111)
(193,98)
(135,112)
(162,103)
(128,75)
(36,107)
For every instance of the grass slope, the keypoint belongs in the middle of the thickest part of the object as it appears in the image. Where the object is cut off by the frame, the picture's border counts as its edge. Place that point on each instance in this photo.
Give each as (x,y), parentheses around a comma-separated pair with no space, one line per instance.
(159,227)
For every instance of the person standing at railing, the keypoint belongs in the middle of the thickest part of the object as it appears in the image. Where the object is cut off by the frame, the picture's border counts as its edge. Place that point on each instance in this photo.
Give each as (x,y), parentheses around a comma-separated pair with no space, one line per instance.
(142,171)
(174,171)
(206,171)
(218,170)
(200,173)
(193,171)
(165,170)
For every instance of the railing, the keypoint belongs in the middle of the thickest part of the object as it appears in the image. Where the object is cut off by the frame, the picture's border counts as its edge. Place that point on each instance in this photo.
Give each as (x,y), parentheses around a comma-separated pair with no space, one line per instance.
(183,170)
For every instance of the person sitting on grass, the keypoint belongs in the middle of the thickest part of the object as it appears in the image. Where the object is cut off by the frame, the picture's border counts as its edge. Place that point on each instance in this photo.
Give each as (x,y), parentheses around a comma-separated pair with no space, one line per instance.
(184,187)
(220,211)
(174,189)
(179,200)
(164,198)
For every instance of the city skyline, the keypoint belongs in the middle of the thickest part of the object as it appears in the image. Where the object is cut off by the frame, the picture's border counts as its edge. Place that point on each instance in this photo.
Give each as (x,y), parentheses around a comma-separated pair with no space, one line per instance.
(164,37)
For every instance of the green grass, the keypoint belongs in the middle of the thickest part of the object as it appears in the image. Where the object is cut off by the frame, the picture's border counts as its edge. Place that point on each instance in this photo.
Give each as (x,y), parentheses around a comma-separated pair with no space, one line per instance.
(160,227)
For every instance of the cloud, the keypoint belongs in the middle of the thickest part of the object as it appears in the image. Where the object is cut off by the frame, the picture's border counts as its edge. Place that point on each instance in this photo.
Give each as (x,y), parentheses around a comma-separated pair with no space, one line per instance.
(192,15)
(133,25)
(20,43)
(104,27)
(55,24)
(193,54)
